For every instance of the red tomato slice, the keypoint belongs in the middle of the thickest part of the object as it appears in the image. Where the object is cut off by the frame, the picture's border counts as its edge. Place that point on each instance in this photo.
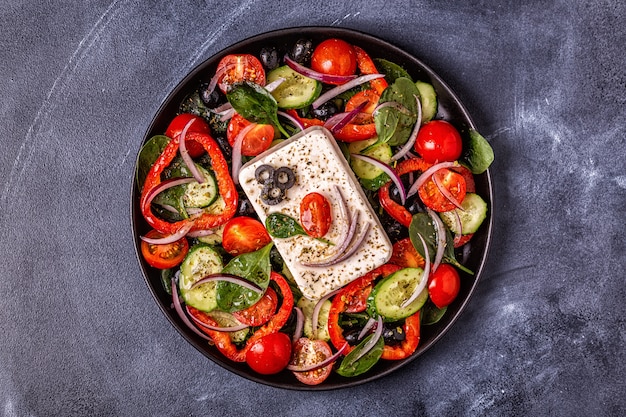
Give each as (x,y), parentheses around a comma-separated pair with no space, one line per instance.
(435,199)
(243,235)
(256,140)
(371,96)
(270,354)
(199,125)
(405,255)
(334,57)
(309,352)
(164,256)
(315,215)
(238,68)
(438,141)
(444,285)
(260,312)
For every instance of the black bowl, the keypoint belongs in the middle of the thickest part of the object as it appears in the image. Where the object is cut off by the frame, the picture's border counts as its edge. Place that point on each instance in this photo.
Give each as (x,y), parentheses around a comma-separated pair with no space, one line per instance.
(450,108)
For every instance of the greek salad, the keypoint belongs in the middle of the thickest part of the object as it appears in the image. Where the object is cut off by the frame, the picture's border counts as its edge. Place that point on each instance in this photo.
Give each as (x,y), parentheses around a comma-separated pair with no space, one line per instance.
(287,164)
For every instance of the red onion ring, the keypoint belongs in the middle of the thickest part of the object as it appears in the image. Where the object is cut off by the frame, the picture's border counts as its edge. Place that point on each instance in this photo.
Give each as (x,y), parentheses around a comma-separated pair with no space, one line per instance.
(368,326)
(217,76)
(217,328)
(184,153)
(345,87)
(316,312)
(441,238)
(341,248)
(229,278)
(297,333)
(393,104)
(274,84)
(227,115)
(237,157)
(413,137)
(372,342)
(297,123)
(387,170)
(427,174)
(331,359)
(179,310)
(445,192)
(318,76)
(201,233)
(459,227)
(420,287)
(180,233)
(337,121)
(357,243)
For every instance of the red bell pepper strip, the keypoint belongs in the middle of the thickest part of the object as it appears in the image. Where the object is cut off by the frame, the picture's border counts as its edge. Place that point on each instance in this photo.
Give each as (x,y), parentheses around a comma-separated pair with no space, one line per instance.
(177,125)
(342,299)
(366,66)
(222,339)
(225,184)
(395,210)
(349,133)
(407,347)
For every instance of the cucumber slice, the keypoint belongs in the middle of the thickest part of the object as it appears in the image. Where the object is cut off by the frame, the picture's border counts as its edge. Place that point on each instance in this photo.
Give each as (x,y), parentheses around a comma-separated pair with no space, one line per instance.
(215,238)
(201,261)
(389,294)
(201,195)
(428,98)
(307,306)
(365,170)
(297,91)
(225,319)
(472,216)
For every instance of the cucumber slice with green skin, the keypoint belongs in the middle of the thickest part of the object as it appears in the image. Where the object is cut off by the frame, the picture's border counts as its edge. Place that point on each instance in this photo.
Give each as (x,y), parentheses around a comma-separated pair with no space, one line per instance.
(307,306)
(215,238)
(201,261)
(428,99)
(472,216)
(297,91)
(201,195)
(388,295)
(365,170)
(225,319)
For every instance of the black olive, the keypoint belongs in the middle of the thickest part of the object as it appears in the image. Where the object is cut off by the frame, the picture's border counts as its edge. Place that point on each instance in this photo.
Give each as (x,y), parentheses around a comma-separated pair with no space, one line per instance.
(302,51)
(414,206)
(245,206)
(264,174)
(211,98)
(325,111)
(393,334)
(352,336)
(395,230)
(269,57)
(284,178)
(272,195)
(224,146)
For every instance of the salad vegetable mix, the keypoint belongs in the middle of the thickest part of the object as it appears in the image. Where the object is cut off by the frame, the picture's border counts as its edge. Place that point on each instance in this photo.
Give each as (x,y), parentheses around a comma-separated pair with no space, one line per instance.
(218,260)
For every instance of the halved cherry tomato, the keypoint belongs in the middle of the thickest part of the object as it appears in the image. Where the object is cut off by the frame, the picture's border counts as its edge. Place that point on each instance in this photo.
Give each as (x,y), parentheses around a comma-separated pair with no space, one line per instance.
(238,68)
(260,312)
(434,198)
(369,96)
(243,235)
(444,285)
(309,352)
(256,140)
(334,57)
(270,354)
(438,141)
(366,66)
(315,215)
(405,255)
(199,125)
(166,255)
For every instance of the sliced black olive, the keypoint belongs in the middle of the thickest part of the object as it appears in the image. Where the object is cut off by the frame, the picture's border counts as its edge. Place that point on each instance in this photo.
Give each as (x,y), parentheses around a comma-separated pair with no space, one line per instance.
(271,195)
(211,98)
(269,57)
(393,333)
(302,51)
(325,111)
(284,178)
(245,207)
(264,174)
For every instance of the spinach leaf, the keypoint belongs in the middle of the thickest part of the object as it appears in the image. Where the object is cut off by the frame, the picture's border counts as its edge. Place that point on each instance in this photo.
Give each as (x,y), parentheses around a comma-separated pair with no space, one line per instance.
(255,267)
(254,103)
(148,155)
(431,314)
(422,224)
(391,70)
(392,125)
(478,154)
(282,226)
(349,367)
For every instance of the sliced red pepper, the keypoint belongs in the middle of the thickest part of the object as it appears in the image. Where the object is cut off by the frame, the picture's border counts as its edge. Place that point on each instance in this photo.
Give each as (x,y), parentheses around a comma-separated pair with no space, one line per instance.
(342,299)
(395,210)
(225,184)
(352,132)
(407,347)
(366,66)
(222,339)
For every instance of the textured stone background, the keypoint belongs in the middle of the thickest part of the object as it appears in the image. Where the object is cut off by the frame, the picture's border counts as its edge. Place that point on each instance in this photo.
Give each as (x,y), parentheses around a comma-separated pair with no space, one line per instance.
(544,333)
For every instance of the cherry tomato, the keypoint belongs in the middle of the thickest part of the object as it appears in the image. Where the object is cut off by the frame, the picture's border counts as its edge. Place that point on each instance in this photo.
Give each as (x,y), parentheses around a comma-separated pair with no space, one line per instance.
(199,125)
(238,68)
(334,57)
(164,256)
(315,214)
(444,285)
(405,255)
(435,199)
(438,141)
(308,352)
(270,354)
(243,235)
(256,140)
(260,312)
(371,96)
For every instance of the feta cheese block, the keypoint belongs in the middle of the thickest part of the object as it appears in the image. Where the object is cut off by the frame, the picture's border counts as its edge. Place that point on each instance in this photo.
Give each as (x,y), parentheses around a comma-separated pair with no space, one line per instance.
(319,166)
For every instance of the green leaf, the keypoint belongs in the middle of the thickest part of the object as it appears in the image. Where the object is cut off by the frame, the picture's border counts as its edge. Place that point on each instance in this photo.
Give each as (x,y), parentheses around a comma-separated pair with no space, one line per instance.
(478,154)
(148,155)
(394,126)
(391,70)
(349,367)
(282,226)
(255,267)
(255,104)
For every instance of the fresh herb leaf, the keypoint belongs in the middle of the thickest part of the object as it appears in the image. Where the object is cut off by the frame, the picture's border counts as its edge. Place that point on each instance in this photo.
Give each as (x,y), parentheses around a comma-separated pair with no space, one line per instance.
(255,104)
(148,155)
(391,70)
(478,154)
(349,367)
(282,226)
(392,125)
(255,267)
